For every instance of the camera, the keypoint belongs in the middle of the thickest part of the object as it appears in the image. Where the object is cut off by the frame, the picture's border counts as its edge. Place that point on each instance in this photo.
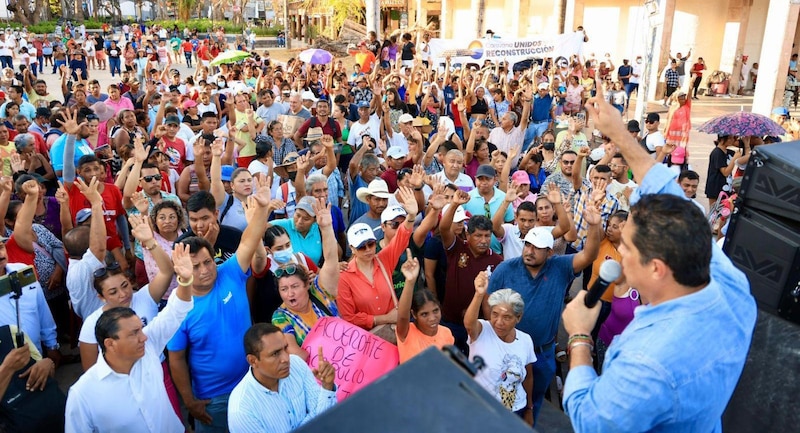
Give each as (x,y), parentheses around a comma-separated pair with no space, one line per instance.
(15,281)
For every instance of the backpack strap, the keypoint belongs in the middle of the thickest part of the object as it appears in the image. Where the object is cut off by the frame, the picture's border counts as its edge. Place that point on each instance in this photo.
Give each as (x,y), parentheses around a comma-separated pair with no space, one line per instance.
(228,205)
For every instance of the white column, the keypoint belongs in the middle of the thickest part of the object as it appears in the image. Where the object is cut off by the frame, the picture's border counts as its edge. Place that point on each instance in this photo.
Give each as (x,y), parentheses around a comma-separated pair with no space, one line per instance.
(776,49)
(569,17)
(373,16)
(444,22)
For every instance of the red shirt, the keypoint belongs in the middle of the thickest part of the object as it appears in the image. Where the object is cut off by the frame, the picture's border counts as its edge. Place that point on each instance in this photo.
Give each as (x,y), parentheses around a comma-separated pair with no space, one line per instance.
(331,127)
(176,151)
(202,52)
(17,254)
(186,46)
(462,269)
(112,208)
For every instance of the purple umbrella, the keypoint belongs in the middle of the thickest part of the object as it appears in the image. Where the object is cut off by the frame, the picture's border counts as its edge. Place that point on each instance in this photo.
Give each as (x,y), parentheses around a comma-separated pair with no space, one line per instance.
(742,124)
(315,56)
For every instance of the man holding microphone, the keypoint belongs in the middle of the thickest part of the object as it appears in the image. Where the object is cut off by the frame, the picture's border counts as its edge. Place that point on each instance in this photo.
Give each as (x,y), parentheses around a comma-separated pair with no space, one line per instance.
(675,366)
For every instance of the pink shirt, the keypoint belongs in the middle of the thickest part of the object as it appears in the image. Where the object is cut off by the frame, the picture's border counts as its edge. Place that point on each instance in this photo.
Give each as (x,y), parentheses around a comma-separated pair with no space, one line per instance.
(120,105)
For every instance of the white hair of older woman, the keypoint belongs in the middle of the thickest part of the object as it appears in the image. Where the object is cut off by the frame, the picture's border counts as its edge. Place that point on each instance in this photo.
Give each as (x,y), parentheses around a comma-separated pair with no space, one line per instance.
(315,178)
(510,297)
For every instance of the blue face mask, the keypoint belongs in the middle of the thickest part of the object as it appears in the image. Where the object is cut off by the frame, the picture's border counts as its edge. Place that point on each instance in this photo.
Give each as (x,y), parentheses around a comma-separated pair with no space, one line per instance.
(283,256)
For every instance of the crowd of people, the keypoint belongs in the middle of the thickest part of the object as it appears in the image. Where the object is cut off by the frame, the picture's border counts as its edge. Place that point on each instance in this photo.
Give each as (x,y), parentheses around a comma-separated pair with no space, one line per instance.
(190,231)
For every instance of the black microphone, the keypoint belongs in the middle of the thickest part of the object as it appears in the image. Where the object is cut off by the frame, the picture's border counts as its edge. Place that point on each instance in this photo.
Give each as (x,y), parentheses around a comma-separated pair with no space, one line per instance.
(610,271)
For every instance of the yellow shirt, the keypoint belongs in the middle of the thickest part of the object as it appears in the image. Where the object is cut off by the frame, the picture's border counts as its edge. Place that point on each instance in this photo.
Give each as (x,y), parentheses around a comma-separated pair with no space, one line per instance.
(5,154)
(249,148)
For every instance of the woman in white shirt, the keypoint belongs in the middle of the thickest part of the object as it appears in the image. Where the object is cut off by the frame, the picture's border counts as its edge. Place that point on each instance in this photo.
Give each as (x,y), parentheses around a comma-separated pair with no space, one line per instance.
(116,288)
(506,351)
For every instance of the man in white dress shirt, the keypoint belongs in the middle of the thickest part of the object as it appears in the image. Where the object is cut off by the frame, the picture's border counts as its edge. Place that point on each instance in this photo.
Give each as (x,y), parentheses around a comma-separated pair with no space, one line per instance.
(280,392)
(124,391)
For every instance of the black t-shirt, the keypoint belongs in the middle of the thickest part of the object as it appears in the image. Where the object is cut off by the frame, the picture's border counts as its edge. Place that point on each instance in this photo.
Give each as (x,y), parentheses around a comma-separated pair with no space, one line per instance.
(226,245)
(407,53)
(374,46)
(716,181)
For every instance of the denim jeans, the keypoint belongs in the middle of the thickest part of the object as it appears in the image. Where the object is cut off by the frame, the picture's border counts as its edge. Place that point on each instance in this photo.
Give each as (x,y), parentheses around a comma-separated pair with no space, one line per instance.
(218,410)
(57,64)
(533,131)
(6,62)
(114,63)
(543,371)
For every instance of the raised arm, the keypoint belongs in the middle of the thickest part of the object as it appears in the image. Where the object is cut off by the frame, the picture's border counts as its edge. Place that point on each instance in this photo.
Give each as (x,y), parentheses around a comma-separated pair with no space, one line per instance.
(410,270)
(330,155)
(23,227)
(499,217)
(217,187)
(144,234)
(564,220)
(446,224)
(260,206)
(591,214)
(471,322)
(97,223)
(329,273)
(608,120)
(132,179)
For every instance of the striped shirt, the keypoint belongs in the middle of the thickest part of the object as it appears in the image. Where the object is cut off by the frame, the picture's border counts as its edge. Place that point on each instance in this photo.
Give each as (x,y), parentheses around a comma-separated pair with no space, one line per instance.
(254,408)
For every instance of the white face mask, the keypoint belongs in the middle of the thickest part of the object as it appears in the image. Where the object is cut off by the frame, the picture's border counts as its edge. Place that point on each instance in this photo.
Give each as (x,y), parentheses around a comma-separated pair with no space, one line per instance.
(639,61)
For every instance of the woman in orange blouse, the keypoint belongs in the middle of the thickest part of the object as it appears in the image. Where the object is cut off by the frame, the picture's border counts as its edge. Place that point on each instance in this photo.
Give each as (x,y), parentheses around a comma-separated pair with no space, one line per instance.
(366,294)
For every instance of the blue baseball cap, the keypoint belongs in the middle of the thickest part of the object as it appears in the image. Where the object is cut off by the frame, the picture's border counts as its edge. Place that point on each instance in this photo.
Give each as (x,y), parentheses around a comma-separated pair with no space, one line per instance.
(780,111)
(227,171)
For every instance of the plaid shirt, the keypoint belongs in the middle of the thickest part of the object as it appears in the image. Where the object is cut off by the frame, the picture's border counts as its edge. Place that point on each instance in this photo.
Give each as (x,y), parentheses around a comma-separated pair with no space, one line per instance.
(581,198)
(672,78)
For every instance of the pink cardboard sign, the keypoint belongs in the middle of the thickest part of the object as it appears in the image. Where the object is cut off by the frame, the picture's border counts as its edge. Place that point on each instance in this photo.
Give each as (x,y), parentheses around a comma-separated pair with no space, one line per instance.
(358,356)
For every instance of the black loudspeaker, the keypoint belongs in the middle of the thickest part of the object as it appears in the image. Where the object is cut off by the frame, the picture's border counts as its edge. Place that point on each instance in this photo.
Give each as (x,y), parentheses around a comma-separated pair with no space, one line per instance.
(772,180)
(765,399)
(429,393)
(767,249)
(763,238)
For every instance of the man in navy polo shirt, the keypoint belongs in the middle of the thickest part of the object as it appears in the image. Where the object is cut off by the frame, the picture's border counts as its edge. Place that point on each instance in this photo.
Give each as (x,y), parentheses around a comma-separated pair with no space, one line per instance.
(541,278)
(541,114)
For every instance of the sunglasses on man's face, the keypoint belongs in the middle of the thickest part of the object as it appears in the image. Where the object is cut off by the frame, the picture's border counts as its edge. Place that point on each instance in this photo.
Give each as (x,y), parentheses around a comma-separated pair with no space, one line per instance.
(151,178)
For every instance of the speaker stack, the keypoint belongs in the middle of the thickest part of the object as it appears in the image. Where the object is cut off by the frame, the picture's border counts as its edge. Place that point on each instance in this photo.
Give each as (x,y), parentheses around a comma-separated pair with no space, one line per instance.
(763,240)
(429,393)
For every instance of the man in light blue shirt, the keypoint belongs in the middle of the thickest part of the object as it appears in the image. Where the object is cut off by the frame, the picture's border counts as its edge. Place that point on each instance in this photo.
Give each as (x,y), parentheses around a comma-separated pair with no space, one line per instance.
(280,392)
(675,366)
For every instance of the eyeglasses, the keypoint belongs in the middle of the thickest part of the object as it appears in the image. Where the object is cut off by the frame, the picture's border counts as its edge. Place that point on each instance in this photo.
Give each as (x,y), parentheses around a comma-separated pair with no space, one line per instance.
(92,117)
(568,161)
(487,210)
(285,271)
(614,166)
(103,272)
(152,178)
(366,245)
(393,224)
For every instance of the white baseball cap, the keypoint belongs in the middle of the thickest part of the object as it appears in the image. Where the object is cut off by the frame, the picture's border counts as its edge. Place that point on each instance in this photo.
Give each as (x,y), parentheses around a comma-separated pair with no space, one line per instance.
(405,118)
(540,237)
(459,216)
(359,233)
(396,152)
(392,212)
